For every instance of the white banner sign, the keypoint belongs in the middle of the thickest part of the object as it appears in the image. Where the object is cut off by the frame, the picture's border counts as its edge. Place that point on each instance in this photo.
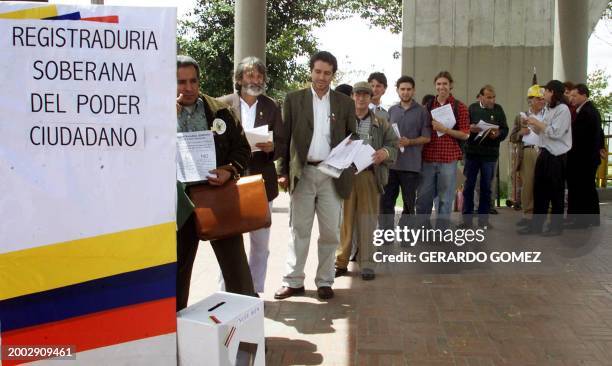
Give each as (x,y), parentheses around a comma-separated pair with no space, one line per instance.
(87,121)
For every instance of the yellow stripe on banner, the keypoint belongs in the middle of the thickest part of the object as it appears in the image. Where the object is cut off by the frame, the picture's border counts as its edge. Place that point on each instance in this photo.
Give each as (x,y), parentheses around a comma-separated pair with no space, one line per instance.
(32,13)
(52,266)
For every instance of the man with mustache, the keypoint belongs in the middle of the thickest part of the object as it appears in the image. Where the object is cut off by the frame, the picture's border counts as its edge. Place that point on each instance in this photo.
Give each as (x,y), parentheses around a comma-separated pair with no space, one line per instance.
(254,109)
(195,112)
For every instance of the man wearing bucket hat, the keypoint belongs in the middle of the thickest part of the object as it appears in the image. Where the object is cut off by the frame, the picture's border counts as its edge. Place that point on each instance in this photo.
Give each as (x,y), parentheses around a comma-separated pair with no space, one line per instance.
(527,152)
(361,207)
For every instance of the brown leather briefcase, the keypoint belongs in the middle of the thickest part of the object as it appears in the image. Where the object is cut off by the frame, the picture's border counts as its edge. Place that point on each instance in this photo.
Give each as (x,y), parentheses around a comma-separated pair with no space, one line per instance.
(232,209)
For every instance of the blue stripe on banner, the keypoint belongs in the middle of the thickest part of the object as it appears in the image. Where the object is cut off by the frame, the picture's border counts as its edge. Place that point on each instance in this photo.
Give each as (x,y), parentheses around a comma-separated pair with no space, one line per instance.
(69,16)
(124,289)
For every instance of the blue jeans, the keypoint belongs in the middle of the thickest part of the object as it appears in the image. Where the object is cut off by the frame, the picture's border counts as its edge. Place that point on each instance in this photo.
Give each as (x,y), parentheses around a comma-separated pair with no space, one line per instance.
(471,170)
(437,180)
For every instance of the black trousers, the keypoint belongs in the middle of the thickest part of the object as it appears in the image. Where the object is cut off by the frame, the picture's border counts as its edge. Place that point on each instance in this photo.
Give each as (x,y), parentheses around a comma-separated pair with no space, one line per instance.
(408,182)
(230,255)
(549,189)
(582,197)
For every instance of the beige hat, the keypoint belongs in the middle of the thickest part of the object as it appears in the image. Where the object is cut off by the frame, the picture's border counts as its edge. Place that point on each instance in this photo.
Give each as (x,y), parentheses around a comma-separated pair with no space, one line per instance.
(362,87)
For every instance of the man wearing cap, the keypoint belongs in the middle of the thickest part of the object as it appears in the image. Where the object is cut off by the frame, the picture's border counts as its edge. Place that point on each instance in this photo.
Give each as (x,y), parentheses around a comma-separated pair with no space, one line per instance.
(316,119)
(527,152)
(361,207)
(481,154)
(378,82)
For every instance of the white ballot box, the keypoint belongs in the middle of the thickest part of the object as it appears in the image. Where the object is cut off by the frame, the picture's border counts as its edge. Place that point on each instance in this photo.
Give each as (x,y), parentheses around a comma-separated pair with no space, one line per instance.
(223,329)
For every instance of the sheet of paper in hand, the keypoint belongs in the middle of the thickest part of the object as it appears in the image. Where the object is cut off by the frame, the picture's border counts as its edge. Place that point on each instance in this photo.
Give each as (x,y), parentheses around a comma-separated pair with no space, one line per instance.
(258,135)
(396,129)
(195,156)
(531,139)
(445,116)
(485,126)
(364,157)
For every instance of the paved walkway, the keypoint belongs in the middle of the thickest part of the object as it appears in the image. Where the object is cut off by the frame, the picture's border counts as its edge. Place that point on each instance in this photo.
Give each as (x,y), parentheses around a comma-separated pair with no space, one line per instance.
(558,314)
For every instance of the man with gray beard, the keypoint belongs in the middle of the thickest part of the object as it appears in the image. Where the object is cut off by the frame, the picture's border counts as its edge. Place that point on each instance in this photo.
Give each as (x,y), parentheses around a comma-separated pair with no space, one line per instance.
(254,109)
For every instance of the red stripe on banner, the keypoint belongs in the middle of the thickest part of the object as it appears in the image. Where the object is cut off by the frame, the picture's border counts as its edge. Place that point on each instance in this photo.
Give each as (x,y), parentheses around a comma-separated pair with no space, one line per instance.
(100,329)
(106,19)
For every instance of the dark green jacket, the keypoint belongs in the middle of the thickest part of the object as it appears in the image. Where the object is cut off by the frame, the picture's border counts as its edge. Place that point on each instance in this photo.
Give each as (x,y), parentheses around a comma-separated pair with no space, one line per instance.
(231,147)
(383,136)
(485,149)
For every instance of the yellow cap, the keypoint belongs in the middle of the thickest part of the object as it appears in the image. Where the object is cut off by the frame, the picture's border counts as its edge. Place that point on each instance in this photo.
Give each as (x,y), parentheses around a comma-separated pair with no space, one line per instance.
(535,91)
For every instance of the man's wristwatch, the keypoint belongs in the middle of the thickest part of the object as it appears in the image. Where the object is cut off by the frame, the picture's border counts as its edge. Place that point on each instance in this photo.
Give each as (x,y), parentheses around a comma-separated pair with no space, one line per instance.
(232,169)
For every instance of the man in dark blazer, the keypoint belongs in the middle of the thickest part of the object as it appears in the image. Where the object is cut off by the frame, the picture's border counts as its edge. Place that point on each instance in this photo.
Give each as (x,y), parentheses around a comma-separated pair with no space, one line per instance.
(199,112)
(316,119)
(254,109)
(583,160)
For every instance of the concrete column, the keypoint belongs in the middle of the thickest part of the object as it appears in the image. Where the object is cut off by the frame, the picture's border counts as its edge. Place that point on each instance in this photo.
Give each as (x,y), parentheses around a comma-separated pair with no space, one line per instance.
(571,43)
(249,30)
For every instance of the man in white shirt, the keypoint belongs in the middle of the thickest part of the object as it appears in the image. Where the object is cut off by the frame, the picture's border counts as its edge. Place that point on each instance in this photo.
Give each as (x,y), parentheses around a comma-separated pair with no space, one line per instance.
(254,109)
(316,119)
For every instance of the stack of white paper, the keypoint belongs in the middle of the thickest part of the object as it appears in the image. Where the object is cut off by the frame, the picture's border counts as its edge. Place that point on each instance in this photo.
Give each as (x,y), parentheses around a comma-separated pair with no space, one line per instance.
(484,127)
(345,154)
(363,158)
(531,139)
(342,155)
(258,135)
(445,116)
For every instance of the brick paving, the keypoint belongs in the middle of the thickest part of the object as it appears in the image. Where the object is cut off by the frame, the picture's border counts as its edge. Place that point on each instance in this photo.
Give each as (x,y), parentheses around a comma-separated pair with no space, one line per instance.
(477,316)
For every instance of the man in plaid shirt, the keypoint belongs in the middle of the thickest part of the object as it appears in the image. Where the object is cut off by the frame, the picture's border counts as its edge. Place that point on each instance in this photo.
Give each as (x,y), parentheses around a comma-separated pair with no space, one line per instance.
(440,155)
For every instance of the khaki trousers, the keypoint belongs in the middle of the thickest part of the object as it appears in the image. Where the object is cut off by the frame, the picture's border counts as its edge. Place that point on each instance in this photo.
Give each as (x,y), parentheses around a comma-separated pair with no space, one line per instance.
(527,169)
(314,193)
(360,217)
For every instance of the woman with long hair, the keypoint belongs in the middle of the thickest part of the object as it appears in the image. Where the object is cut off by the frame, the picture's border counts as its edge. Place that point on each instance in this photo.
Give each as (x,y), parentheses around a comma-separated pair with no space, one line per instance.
(549,177)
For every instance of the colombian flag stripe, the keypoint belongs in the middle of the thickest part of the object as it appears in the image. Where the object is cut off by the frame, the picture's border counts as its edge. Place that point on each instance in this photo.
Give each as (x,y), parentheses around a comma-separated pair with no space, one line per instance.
(32,13)
(89,297)
(101,329)
(106,19)
(53,266)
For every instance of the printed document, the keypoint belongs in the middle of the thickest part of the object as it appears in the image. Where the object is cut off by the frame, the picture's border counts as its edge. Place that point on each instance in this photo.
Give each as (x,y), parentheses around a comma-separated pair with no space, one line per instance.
(195,156)
(445,116)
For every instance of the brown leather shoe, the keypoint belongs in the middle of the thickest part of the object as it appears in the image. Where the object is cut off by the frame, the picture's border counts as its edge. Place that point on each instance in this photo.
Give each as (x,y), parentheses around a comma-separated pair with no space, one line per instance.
(325,292)
(285,292)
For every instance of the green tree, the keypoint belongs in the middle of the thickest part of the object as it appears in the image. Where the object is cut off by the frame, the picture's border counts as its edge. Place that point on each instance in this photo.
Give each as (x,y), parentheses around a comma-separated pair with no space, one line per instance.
(607,14)
(597,81)
(385,14)
(208,36)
